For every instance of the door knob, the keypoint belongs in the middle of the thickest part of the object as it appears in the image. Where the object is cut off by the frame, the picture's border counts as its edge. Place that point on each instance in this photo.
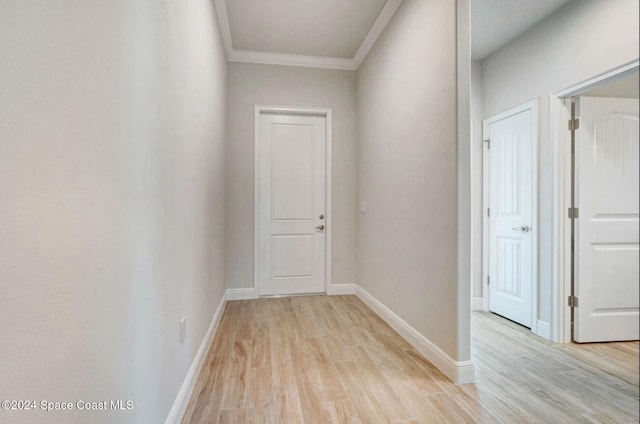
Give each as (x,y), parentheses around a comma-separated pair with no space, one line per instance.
(320,227)
(523,228)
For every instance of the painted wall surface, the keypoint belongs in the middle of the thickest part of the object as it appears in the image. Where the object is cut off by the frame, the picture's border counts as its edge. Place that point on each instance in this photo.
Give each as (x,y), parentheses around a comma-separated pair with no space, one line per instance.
(407,170)
(112,195)
(581,40)
(464,224)
(476,169)
(251,84)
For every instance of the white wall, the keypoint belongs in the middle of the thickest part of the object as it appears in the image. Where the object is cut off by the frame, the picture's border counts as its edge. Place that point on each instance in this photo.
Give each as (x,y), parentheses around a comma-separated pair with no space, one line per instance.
(583,39)
(251,84)
(112,119)
(408,171)
(476,169)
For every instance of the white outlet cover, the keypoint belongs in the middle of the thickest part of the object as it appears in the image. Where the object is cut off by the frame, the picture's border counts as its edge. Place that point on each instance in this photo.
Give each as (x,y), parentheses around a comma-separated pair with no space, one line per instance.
(363,207)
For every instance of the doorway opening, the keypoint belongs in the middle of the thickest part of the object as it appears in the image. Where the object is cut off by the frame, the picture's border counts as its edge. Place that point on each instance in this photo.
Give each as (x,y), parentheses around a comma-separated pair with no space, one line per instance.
(597,208)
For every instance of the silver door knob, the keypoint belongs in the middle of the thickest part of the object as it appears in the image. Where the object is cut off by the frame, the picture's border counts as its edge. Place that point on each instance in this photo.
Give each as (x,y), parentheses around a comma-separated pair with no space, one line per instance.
(320,227)
(523,228)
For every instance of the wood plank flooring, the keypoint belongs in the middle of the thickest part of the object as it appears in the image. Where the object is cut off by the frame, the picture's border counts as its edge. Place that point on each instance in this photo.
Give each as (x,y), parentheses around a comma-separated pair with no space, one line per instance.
(540,381)
(319,359)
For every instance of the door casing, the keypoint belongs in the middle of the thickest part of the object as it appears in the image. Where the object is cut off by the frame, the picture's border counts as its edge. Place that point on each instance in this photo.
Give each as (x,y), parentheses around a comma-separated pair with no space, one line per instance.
(291,110)
(533,106)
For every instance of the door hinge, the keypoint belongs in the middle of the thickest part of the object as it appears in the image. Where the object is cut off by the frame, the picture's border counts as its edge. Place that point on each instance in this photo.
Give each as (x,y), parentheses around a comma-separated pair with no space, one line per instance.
(488,141)
(488,280)
(574,124)
(573,213)
(488,212)
(572,301)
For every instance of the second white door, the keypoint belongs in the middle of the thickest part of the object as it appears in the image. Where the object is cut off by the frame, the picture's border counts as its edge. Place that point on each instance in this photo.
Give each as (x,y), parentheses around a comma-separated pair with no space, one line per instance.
(606,268)
(292,215)
(511,203)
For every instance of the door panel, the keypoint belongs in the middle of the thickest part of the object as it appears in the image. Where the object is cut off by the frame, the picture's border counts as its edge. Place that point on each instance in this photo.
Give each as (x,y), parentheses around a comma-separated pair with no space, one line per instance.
(614,273)
(508,173)
(293,256)
(292,167)
(606,269)
(615,165)
(509,273)
(511,219)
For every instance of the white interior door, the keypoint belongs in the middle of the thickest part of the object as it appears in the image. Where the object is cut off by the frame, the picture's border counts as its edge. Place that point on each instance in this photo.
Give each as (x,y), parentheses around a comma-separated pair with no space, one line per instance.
(511,202)
(606,236)
(292,170)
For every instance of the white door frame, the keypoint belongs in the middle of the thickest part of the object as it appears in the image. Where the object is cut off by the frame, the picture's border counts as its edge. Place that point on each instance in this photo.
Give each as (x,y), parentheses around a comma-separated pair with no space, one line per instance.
(327,113)
(560,138)
(533,106)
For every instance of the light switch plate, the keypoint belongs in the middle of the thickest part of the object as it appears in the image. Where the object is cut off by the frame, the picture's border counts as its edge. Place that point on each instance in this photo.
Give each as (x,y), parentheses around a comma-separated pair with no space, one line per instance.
(183,329)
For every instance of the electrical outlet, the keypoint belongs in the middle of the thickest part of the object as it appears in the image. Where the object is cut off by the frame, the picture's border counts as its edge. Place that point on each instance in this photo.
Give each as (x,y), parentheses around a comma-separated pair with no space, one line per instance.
(363,207)
(183,329)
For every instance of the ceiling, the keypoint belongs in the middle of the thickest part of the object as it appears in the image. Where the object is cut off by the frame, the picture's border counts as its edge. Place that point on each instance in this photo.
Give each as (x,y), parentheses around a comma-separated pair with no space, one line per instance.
(494,23)
(338,34)
(627,87)
(331,28)
(334,34)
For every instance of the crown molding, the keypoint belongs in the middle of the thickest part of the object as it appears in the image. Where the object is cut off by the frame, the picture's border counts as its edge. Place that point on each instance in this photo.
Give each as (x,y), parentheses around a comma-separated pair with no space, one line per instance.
(376,30)
(292,60)
(286,59)
(225,30)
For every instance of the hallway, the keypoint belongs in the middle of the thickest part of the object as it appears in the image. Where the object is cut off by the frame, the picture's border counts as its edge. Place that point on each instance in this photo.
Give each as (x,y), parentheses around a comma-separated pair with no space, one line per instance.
(319,359)
(141,193)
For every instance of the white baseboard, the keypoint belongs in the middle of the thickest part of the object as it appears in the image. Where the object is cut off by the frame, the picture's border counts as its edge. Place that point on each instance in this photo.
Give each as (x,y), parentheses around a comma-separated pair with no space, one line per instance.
(184,394)
(241,294)
(476,304)
(337,289)
(460,372)
(543,329)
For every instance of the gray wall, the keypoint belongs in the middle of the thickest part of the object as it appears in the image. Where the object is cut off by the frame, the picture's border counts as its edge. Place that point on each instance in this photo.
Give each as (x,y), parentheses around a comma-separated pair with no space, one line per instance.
(476,169)
(251,84)
(581,40)
(407,170)
(112,195)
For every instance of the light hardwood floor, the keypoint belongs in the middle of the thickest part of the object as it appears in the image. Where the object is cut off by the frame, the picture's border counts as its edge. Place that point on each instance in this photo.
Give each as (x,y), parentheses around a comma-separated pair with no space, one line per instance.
(319,359)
